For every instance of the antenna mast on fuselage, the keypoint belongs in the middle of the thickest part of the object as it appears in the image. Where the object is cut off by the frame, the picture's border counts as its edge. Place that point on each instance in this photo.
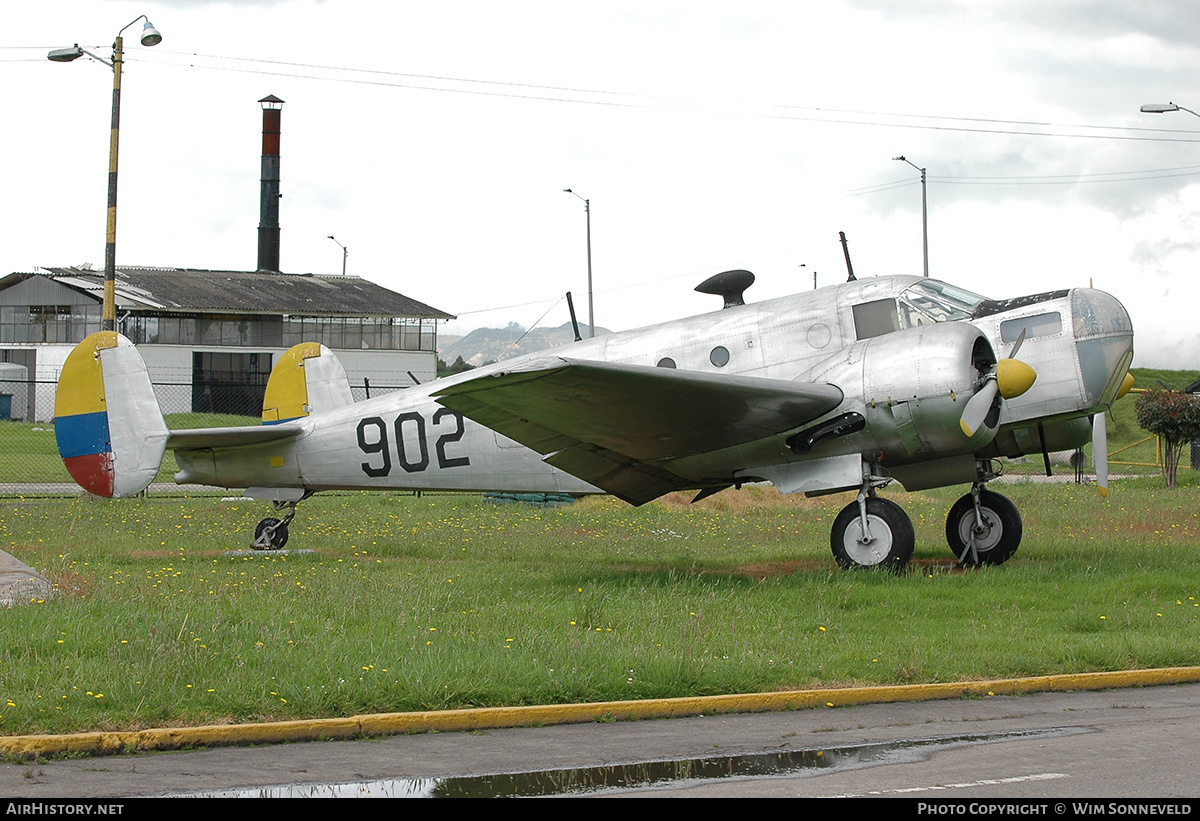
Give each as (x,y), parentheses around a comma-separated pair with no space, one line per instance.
(846,252)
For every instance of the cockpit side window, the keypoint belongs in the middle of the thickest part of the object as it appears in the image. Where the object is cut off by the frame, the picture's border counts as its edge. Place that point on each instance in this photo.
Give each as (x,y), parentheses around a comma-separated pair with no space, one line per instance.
(938,302)
(876,318)
(914,317)
(1037,325)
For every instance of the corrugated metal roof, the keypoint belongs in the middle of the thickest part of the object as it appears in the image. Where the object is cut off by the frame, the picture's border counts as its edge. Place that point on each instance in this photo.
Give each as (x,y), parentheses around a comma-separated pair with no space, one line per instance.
(267,292)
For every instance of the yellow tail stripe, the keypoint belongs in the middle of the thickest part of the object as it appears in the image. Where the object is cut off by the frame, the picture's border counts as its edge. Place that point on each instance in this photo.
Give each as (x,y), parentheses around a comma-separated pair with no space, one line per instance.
(287,390)
(81,384)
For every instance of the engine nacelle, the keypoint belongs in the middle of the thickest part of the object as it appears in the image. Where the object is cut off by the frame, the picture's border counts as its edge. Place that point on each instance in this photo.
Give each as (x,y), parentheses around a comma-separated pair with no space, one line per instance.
(909,388)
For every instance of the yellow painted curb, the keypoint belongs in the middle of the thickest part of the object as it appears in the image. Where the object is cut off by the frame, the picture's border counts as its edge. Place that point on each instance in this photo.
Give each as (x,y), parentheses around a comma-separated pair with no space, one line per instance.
(173,738)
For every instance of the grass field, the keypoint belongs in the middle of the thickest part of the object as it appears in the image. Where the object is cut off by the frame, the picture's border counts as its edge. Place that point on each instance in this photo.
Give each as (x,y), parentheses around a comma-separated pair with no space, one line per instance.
(412,603)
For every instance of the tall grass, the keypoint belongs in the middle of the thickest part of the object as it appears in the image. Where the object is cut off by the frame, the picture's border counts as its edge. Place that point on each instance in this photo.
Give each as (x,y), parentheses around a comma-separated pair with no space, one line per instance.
(413,603)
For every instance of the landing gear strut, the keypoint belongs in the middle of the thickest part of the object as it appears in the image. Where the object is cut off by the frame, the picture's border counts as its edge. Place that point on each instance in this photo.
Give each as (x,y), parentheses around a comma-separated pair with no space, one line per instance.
(983,528)
(272,533)
(872,532)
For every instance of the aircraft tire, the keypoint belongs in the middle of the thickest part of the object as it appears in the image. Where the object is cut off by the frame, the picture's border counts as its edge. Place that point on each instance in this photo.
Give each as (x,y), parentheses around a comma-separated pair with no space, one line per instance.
(278,538)
(892,537)
(1001,535)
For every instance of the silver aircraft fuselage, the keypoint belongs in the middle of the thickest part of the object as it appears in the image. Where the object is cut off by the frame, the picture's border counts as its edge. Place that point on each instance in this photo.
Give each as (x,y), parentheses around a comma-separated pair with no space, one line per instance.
(906,353)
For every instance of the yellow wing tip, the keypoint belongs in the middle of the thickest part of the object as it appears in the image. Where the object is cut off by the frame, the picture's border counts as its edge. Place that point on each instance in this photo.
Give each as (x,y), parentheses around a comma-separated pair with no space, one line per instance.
(1126,385)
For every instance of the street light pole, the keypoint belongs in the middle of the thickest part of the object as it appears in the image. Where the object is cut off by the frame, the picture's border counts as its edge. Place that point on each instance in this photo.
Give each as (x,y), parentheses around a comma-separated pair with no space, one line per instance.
(924,212)
(587,210)
(345,253)
(1163,108)
(150,37)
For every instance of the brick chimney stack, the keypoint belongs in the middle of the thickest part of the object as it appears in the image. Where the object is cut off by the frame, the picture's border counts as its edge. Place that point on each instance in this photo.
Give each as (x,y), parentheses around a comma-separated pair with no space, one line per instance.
(268,204)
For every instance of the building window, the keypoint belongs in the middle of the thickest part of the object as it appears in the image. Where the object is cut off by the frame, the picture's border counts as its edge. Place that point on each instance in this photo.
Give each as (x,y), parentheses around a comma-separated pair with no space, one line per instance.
(66,324)
(231,330)
(232,383)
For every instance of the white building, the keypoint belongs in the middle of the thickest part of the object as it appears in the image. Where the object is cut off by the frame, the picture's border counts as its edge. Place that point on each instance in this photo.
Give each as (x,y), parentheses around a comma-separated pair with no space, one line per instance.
(210,338)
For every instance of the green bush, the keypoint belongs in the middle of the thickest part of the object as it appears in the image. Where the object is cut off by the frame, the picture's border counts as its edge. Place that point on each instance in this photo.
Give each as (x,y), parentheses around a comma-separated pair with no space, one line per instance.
(1173,416)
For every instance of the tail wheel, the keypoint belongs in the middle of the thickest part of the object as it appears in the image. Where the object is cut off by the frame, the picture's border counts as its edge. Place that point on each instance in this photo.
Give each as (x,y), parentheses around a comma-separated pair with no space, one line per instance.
(270,534)
(993,538)
(887,544)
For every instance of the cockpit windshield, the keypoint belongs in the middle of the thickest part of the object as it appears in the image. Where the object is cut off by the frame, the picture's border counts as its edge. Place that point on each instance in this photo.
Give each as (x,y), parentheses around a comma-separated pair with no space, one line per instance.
(932,301)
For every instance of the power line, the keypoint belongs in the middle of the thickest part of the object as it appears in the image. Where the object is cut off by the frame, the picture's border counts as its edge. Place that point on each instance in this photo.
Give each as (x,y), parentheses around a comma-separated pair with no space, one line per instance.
(1057,179)
(875,189)
(1187,168)
(1044,179)
(561,94)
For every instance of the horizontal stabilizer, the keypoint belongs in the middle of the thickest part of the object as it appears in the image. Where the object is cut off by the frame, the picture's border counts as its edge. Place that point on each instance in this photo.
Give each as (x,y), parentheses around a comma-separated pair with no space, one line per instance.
(206,438)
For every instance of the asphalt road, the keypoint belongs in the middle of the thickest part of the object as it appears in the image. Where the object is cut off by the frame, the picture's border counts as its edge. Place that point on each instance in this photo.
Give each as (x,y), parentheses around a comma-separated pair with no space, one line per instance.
(1137,742)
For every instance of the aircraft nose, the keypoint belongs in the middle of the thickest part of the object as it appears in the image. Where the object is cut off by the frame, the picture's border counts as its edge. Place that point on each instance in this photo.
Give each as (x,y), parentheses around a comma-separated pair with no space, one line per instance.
(1104,341)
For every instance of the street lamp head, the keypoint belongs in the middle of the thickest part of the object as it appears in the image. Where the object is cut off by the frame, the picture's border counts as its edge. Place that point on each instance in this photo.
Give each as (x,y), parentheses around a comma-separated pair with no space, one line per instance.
(65,55)
(150,35)
(1152,108)
(901,158)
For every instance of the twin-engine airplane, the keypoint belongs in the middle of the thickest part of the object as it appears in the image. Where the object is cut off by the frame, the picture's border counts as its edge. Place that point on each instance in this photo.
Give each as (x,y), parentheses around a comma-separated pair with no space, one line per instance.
(849,387)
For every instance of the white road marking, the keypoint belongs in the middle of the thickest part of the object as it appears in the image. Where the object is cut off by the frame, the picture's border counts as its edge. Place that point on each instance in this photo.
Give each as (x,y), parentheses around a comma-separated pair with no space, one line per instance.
(1016,779)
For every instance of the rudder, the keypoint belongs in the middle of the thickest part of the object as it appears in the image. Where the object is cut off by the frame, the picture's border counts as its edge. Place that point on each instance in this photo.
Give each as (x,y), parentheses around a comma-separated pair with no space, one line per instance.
(307,379)
(107,423)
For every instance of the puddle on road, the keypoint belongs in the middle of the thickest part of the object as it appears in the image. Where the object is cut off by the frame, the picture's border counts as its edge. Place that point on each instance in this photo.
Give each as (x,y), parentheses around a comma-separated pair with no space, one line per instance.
(641,775)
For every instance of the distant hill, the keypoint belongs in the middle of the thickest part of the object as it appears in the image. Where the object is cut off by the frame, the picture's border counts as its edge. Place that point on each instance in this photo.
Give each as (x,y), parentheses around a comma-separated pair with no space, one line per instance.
(484,345)
(1150,378)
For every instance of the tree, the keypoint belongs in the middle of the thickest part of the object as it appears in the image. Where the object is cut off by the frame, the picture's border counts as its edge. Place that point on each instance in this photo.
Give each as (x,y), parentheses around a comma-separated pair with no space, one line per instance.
(458,367)
(1175,418)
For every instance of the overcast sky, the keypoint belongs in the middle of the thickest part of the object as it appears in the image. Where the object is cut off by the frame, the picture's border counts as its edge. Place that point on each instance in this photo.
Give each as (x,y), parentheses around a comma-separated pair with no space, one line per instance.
(434,139)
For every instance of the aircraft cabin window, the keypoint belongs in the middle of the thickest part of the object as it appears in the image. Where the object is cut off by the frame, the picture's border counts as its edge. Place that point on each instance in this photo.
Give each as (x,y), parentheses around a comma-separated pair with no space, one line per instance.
(1034,326)
(719,356)
(876,318)
(666,362)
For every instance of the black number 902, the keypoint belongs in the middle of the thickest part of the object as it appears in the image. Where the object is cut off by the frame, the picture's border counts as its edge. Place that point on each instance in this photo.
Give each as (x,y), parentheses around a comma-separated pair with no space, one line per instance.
(373,440)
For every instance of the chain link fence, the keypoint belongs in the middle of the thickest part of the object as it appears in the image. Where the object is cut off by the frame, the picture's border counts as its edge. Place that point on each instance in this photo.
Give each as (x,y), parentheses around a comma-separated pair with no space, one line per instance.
(29,460)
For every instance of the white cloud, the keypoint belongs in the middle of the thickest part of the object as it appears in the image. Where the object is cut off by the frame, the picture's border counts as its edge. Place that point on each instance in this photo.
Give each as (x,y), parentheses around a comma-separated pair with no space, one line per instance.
(729,143)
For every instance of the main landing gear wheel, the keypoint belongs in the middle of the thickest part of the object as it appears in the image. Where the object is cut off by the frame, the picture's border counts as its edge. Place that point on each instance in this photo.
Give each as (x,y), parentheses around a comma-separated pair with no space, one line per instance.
(888,542)
(992,537)
(270,534)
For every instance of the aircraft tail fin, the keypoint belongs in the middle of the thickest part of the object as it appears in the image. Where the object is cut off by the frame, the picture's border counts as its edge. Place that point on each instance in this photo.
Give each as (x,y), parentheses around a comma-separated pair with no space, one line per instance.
(110,432)
(307,379)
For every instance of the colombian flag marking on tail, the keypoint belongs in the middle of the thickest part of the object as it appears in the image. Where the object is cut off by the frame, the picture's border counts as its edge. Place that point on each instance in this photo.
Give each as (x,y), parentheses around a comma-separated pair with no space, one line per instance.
(81,416)
(110,431)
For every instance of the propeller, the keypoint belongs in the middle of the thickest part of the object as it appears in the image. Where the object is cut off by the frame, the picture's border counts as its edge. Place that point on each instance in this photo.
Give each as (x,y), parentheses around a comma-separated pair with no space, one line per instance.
(1100,440)
(1010,378)
(1100,451)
